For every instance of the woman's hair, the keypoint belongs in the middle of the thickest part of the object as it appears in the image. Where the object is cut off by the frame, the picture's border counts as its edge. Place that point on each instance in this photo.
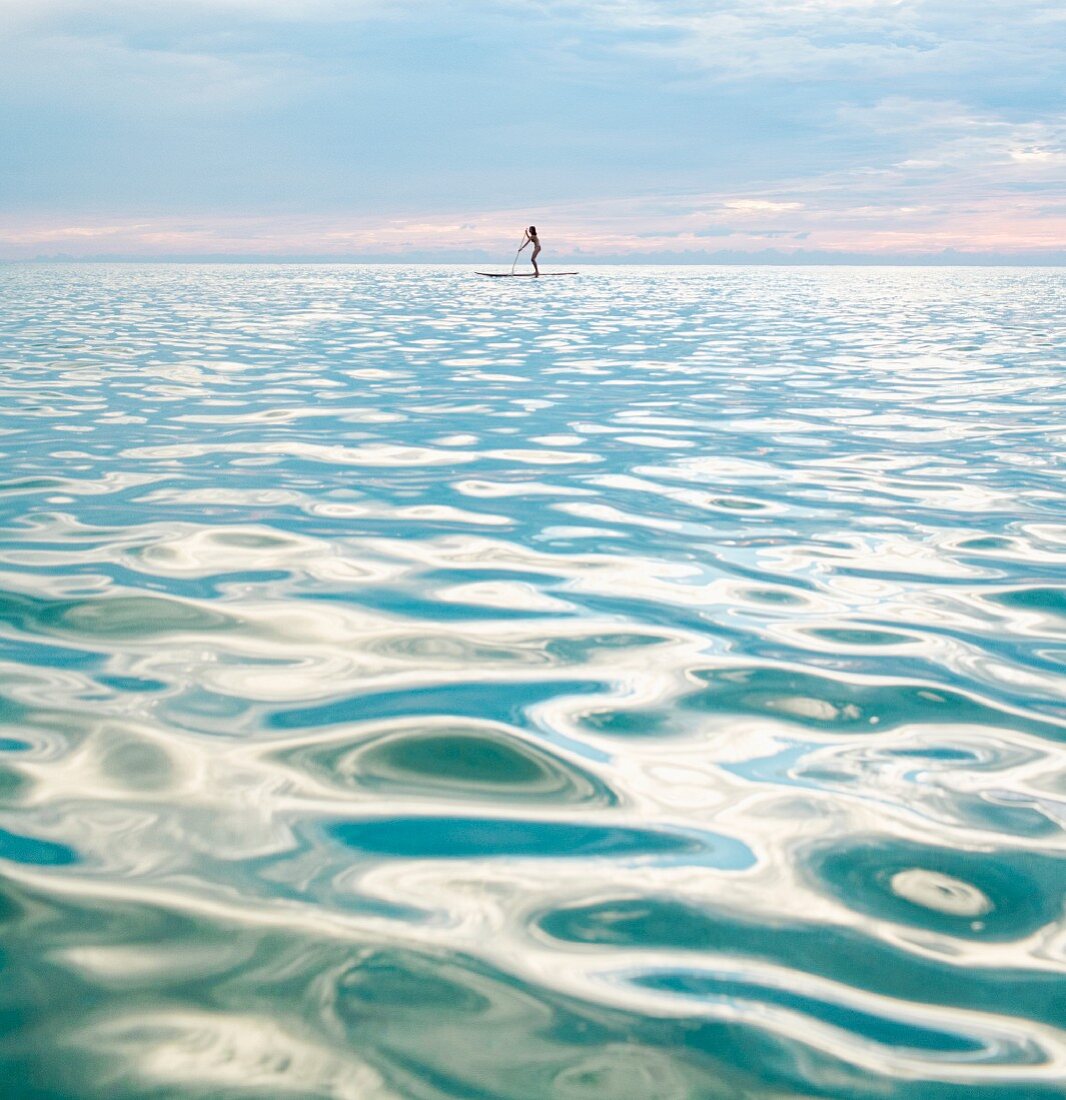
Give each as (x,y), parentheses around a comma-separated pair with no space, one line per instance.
(533,230)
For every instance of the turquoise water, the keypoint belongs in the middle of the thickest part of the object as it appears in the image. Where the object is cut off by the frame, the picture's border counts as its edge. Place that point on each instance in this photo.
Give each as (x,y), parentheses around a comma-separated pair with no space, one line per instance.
(643,687)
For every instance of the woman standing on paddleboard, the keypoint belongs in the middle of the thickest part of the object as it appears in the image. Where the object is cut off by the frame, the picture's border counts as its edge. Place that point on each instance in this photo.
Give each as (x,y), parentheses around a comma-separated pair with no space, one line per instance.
(534,240)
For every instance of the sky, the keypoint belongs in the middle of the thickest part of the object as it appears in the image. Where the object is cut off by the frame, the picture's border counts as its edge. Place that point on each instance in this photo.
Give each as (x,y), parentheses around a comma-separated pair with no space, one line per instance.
(626,130)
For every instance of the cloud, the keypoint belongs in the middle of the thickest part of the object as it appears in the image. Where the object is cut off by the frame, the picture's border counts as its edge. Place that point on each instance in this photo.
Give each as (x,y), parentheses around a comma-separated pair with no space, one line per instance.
(760,206)
(354,126)
(751,40)
(843,214)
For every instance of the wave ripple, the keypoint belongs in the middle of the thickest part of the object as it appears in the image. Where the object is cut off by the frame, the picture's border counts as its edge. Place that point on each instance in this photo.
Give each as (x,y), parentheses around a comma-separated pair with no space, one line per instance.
(644,688)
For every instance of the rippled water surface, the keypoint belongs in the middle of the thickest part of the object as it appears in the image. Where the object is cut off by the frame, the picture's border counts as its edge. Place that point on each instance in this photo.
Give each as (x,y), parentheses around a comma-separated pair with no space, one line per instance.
(642,687)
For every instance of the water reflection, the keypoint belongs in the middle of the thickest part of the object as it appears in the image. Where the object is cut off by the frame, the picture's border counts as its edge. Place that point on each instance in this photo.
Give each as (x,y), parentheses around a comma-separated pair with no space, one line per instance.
(643,688)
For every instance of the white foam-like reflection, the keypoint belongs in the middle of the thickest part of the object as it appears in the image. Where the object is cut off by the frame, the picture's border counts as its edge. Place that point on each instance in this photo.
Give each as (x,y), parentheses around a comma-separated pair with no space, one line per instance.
(658,677)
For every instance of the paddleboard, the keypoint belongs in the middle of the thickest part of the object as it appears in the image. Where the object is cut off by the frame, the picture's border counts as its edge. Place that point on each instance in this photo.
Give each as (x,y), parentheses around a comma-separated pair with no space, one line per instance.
(522,274)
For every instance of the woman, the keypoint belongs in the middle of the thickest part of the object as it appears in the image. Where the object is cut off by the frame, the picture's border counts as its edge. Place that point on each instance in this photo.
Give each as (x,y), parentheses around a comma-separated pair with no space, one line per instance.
(534,240)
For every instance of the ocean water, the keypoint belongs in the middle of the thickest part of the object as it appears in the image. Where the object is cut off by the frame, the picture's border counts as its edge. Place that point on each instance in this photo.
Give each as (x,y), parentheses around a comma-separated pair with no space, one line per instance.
(641,687)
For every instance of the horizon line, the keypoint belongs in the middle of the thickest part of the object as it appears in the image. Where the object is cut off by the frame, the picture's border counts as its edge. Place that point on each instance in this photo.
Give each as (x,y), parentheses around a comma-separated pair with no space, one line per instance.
(764,259)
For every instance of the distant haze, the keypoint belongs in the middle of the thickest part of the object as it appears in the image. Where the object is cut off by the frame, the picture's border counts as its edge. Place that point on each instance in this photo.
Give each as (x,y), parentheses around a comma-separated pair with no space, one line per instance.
(627,130)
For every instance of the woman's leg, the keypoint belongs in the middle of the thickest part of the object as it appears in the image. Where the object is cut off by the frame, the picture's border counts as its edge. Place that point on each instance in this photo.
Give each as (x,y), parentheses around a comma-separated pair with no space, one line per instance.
(536,253)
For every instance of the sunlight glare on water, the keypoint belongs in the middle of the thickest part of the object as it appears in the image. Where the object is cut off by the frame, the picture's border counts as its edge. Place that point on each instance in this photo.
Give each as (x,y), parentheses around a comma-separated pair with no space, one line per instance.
(639,686)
